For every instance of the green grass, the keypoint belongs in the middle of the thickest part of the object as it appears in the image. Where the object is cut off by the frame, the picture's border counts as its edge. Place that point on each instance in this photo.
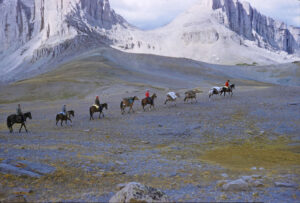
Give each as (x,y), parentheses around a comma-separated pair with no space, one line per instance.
(247,64)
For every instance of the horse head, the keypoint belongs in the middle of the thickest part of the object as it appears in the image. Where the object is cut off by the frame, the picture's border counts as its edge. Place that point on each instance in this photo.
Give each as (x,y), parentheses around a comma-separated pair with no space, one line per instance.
(105,106)
(154,96)
(232,86)
(72,113)
(28,115)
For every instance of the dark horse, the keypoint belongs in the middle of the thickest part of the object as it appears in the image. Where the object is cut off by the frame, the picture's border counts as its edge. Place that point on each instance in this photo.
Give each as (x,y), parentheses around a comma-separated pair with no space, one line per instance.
(65,118)
(94,109)
(12,119)
(128,102)
(191,95)
(227,89)
(149,100)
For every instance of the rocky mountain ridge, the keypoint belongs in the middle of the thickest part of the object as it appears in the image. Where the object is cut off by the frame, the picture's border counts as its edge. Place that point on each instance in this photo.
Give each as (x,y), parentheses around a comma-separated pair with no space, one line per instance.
(35,33)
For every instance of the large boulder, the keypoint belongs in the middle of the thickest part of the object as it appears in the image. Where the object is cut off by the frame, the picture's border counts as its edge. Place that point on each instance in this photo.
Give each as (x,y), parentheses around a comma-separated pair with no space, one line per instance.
(136,192)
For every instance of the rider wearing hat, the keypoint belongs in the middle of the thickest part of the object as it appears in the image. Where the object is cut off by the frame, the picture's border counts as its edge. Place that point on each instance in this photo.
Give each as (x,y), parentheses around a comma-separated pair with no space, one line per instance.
(227,83)
(19,111)
(97,101)
(147,94)
(64,109)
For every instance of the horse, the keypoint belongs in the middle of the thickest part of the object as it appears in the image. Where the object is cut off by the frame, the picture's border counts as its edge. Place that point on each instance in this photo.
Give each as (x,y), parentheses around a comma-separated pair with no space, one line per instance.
(190,95)
(94,109)
(149,100)
(12,119)
(65,118)
(128,102)
(227,89)
(171,97)
(214,91)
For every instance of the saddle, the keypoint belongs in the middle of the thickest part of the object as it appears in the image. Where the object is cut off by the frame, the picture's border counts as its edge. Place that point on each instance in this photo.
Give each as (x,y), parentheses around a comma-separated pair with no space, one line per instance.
(97,107)
(129,99)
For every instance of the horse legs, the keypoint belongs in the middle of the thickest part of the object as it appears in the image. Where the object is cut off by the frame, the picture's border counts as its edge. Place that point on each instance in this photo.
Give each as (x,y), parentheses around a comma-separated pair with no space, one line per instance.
(56,122)
(21,127)
(25,128)
(130,109)
(61,123)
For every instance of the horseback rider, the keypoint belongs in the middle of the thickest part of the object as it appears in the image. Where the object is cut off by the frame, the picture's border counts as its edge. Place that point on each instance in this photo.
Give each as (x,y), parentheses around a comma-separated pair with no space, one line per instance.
(97,102)
(147,94)
(227,84)
(64,110)
(19,111)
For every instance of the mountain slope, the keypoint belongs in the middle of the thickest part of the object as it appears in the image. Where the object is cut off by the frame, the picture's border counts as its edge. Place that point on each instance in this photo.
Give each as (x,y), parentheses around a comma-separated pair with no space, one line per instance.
(222,32)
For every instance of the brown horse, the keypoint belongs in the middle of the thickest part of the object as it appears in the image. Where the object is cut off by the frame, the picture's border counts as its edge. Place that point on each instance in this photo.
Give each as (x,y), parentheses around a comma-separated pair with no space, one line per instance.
(227,89)
(94,109)
(65,118)
(191,95)
(149,100)
(12,119)
(171,99)
(128,102)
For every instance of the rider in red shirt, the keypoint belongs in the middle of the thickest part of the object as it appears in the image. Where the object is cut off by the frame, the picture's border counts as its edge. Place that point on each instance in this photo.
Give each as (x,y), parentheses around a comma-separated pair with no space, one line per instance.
(147,94)
(227,83)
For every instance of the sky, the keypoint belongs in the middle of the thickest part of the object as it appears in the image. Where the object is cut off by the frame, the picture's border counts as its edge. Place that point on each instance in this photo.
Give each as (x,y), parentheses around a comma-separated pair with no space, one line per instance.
(150,14)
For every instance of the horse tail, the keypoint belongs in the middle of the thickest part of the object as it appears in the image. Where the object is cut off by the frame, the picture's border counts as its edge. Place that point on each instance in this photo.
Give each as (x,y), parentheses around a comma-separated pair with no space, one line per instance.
(91,112)
(8,122)
(121,105)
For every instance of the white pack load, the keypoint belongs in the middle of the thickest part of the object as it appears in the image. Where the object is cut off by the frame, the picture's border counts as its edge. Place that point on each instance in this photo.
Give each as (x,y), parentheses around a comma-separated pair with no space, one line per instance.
(172,95)
(217,88)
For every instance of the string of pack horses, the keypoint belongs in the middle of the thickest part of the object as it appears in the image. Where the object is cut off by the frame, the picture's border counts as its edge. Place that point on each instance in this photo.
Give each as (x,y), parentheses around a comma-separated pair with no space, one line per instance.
(65,116)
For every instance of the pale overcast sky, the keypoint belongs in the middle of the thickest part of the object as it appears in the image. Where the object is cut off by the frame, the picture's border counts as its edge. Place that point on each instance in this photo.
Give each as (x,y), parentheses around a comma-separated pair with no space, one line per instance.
(149,14)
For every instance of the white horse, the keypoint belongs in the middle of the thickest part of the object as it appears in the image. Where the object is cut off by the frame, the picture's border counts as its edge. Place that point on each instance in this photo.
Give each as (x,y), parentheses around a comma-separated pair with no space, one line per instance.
(214,90)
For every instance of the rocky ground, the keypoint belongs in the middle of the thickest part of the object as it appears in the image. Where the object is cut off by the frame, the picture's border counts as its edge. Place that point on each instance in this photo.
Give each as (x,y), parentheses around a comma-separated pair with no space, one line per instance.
(184,150)
(240,148)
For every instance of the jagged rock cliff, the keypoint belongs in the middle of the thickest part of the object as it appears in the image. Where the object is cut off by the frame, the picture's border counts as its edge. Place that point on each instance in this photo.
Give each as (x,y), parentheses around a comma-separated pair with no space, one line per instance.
(33,29)
(222,32)
(23,20)
(247,22)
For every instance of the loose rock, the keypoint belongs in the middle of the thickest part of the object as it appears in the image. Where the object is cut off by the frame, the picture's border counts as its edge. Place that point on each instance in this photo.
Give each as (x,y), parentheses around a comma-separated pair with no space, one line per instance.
(280,184)
(14,198)
(236,185)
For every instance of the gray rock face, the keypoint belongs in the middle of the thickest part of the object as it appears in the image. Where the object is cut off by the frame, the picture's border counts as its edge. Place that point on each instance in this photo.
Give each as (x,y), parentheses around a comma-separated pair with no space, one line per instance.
(249,23)
(136,192)
(24,20)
